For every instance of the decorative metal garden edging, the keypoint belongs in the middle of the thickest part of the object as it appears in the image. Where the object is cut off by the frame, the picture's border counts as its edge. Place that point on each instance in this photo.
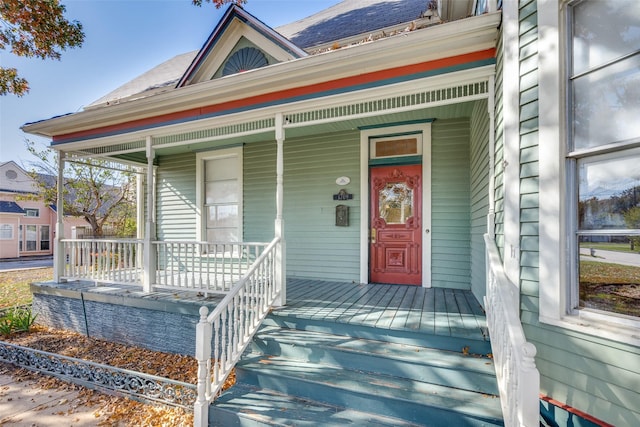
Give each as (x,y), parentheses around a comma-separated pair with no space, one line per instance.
(136,385)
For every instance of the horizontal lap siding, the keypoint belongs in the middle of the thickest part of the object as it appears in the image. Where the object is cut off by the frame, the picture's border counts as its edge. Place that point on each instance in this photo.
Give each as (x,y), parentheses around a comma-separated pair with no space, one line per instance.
(176,197)
(479,195)
(316,247)
(450,204)
(259,191)
(597,376)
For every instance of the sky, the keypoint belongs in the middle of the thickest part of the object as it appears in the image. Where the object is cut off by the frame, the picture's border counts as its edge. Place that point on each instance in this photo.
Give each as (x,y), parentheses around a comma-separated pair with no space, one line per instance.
(123,39)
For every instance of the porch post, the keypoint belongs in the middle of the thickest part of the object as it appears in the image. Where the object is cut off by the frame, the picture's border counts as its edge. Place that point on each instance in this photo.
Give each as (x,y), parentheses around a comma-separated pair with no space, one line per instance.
(511,145)
(281,273)
(58,252)
(140,219)
(149,266)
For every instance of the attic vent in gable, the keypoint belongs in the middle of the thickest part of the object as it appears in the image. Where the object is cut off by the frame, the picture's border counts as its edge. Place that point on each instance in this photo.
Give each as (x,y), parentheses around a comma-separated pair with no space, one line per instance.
(244,59)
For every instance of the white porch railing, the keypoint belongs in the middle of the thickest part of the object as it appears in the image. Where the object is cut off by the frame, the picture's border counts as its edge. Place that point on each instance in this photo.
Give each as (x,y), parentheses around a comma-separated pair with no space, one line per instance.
(223,335)
(514,357)
(203,266)
(103,260)
(187,265)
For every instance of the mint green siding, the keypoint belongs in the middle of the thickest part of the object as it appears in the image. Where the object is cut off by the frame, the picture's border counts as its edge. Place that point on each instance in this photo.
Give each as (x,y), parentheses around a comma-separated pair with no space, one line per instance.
(176,197)
(479,195)
(316,247)
(592,374)
(450,204)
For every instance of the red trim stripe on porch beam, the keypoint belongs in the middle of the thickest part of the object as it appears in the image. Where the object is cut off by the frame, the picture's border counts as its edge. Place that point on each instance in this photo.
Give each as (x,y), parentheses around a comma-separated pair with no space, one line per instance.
(332,86)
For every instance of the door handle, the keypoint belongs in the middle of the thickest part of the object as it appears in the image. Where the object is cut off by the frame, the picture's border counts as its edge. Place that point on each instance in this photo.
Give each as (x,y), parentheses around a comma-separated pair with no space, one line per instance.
(373,235)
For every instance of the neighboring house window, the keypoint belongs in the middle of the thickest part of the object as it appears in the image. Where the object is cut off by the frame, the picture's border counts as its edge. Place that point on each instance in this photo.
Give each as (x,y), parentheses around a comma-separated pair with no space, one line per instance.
(220,194)
(603,153)
(6,231)
(20,239)
(45,239)
(34,213)
(31,237)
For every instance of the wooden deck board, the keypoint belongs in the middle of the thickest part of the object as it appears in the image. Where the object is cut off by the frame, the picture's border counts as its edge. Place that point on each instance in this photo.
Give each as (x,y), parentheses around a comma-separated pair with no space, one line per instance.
(392,308)
(404,308)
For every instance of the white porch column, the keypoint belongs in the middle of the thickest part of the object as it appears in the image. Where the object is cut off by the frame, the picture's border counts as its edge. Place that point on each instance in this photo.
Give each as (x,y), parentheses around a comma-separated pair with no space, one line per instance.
(58,251)
(140,219)
(281,264)
(511,115)
(149,265)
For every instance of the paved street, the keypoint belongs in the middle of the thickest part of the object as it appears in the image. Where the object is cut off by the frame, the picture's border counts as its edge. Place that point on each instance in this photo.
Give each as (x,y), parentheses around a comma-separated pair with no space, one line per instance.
(25,263)
(613,257)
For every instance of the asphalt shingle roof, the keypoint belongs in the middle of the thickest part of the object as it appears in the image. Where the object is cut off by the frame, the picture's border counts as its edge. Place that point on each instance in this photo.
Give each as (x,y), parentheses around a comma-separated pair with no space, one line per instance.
(345,19)
(350,18)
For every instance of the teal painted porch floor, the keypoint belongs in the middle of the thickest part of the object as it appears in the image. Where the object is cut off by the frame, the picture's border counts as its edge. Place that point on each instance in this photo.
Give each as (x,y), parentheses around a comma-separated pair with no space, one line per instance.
(434,311)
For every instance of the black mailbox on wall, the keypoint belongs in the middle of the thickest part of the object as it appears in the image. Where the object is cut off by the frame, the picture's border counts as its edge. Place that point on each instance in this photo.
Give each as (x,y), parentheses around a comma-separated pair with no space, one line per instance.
(342,216)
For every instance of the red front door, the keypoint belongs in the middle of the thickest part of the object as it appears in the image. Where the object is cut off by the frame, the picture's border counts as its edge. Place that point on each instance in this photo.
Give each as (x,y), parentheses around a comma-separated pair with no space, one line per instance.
(396,222)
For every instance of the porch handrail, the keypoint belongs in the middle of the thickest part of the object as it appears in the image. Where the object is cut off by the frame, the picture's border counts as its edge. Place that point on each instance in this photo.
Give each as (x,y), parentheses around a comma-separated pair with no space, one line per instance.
(103,260)
(514,357)
(223,335)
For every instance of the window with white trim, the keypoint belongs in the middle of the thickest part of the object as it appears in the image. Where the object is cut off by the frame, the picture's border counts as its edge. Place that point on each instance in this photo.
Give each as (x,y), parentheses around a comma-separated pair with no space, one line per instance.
(32,212)
(603,155)
(6,231)
(220,194)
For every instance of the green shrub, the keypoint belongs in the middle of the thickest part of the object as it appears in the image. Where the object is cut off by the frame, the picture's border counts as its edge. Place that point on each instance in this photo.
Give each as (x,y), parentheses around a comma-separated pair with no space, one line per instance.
(18,319)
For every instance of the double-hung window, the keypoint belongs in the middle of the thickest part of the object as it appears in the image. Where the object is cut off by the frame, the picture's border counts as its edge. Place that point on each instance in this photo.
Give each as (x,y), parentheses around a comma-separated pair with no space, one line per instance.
(6,231)
(603,156)
(219,182)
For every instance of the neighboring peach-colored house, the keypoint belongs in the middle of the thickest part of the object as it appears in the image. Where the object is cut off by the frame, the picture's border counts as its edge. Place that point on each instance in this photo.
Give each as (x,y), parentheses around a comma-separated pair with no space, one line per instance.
(27,224)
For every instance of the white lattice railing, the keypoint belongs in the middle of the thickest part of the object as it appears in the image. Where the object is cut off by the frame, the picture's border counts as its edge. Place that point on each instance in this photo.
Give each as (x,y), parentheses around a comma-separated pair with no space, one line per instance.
(514,357)
(223,335)
(103,260)
(203,266)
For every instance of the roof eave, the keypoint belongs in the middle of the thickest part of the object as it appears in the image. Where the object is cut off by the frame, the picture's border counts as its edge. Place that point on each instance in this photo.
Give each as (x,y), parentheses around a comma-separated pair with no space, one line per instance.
(468,35)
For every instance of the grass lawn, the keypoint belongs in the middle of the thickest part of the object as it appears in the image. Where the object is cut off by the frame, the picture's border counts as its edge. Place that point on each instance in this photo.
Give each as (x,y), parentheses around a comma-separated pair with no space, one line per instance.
(610,287)
(14,285)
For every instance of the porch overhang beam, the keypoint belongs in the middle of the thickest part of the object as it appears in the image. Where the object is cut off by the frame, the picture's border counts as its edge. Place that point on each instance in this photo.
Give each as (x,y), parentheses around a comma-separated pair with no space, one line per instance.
(445,89)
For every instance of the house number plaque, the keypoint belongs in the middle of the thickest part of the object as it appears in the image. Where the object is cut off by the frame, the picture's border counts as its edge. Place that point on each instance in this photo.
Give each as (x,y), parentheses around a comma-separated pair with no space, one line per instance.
(342,195)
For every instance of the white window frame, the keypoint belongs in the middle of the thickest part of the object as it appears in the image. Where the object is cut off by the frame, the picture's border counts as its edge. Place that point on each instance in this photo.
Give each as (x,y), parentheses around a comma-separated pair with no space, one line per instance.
(557,189)
(32,212)
(201,158)
(4,228)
